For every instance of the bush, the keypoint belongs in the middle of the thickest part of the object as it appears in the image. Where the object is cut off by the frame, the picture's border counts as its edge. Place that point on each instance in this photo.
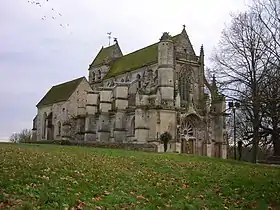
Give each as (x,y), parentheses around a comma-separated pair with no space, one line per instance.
(24,136)
(65,142)
(165,138)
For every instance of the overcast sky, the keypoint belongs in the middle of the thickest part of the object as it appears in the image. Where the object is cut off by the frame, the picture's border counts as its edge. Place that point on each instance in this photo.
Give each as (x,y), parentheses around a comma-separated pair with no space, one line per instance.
(37,53)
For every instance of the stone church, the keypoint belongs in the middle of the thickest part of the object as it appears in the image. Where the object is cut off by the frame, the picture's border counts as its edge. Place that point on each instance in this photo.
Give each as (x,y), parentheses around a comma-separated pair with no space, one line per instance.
(138,96)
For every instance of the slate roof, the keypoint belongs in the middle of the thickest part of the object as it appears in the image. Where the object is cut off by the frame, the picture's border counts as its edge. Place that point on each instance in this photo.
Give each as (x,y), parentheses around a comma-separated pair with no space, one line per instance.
(134,60)
(61,92)
(102,55)
(142,57)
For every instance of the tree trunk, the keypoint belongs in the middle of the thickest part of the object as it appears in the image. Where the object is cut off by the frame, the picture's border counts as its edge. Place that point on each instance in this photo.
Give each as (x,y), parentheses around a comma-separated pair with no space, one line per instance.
(255,148)
(256,137)
(165,146)
(276,145)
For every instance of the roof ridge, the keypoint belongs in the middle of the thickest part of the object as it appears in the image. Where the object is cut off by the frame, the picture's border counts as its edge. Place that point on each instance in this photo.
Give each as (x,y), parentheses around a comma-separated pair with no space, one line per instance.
(148,46)
(63,83)
(60,92)
(109,46)
(137,50)
(151,55)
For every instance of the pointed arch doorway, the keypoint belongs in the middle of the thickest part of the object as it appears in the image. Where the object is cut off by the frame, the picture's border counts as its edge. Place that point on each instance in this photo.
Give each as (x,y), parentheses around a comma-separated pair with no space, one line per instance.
(189,125)
(188,138)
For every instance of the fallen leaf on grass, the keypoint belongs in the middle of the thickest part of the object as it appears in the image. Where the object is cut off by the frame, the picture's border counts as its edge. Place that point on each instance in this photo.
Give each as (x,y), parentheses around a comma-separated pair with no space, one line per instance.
(252,204)
(3,204)
(96,197)
(106,192)
(140,197)
(185,185)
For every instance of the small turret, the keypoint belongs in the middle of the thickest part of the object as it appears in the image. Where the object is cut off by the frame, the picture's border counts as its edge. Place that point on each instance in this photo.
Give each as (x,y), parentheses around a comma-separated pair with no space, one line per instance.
(216,96)
(165,36)
(214,84)
(201,55)
(184,32)
(166,51)
(166,67)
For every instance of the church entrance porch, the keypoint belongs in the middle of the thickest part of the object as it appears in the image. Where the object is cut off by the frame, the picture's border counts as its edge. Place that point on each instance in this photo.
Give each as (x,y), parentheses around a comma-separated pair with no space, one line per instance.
(188,145)
(192,135)
(187,138)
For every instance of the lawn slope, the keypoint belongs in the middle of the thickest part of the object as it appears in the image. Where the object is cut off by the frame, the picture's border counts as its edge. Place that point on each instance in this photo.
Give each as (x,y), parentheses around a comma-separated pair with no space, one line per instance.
(62,177)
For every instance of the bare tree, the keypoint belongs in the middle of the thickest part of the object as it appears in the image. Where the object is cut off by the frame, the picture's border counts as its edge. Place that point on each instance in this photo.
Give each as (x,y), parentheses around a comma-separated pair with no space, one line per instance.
(271,108)
(268,13)
(24,136)
(240,65)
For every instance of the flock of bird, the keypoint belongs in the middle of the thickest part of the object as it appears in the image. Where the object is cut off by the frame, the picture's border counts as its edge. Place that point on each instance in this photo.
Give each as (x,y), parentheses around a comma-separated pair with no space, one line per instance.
(54,14)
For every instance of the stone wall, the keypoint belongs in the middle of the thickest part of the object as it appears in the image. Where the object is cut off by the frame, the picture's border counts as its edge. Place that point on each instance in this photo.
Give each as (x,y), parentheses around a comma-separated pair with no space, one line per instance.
(113,145)
(75,101)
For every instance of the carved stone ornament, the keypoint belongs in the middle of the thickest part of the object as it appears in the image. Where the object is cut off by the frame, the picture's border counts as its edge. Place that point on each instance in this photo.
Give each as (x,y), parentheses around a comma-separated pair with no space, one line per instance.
(149,85)
(165,36)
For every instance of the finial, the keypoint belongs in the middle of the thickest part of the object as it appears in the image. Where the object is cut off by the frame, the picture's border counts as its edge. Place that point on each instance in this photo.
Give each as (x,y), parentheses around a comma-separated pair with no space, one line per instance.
(201,50)
(109,37)
(214,81)
(115,40)
(184,31)
(165,36)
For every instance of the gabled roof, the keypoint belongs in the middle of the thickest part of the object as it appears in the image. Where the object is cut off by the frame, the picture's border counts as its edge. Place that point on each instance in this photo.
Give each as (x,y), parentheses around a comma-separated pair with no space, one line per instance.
(104,54)
(137,59)
(61,92)
(134,60)
(184,33)
(145,56)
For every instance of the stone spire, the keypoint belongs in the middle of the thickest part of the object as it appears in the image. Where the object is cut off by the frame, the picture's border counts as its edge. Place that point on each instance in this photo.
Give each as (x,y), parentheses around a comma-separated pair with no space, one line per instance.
(201,55)
(214,83)
(215,94)
(201,51)
(184,30)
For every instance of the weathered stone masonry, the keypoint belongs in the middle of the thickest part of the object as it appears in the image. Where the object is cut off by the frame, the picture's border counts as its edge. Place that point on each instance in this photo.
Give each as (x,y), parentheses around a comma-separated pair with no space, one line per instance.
(134,98)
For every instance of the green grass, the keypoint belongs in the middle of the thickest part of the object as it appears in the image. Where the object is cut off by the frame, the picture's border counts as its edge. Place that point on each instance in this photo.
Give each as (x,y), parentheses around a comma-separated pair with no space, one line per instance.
(61,177)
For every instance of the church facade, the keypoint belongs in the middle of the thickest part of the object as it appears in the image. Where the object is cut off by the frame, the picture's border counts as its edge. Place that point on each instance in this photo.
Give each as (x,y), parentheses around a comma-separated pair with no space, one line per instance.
(138,96)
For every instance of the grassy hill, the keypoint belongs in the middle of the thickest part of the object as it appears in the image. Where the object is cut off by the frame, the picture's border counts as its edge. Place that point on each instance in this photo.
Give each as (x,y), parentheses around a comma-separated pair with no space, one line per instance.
(62,177)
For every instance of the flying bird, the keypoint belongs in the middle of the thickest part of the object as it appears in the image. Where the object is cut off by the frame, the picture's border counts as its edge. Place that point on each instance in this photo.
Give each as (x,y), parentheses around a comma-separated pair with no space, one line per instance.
(54,16)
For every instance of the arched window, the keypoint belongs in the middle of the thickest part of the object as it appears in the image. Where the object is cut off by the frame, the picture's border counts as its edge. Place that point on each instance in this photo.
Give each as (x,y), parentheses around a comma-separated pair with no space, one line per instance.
(93,76)
(188,129)
(59,128)
(99,75)
(132,126)
(139,80)
(183,86)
